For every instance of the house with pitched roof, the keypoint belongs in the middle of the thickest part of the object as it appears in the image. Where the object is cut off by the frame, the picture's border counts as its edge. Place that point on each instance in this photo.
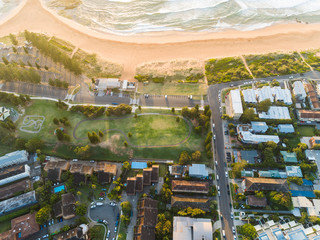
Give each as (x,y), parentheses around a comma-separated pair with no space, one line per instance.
(181,186)
(250,184)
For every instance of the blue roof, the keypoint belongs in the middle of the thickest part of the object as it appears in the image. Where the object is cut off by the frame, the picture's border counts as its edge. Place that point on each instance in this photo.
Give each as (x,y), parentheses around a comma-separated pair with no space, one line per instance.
(316,238)
(139,165)
(308,194)
(297,234)
(198,170)
(307,182)
(263,236)
(278,234)
(286,128)
(259,126)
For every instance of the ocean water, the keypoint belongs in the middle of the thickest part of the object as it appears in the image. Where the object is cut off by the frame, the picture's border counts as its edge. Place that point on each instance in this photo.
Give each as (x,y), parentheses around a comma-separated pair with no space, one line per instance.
(6,6)
(125,17)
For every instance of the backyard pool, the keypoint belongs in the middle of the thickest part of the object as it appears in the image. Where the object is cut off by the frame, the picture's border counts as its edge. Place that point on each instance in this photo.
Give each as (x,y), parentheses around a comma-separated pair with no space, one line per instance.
(58,189)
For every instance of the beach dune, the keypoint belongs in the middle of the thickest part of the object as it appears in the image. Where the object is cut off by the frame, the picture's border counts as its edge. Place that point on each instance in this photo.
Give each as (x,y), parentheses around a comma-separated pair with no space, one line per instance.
(162,46)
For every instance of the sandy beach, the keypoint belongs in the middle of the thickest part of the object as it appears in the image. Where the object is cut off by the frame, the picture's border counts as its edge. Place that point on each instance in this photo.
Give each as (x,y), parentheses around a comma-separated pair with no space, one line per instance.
(163,46)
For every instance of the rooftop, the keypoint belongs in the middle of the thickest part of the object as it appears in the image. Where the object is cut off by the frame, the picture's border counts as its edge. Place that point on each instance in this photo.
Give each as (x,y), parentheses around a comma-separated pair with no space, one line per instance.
(198,170)
(276,112)
(17,202)
(13,158)
(289,157)
(286,128)
(236,101)
(257,202)
(190,186)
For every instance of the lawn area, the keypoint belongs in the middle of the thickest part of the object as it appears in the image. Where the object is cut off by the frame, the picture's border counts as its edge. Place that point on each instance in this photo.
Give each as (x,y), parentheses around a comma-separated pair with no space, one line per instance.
(85,192)
(293,142)
(122,234)
(146,130)
(97,232)
(49,110)
(170,88)
(306,131)
(5,226)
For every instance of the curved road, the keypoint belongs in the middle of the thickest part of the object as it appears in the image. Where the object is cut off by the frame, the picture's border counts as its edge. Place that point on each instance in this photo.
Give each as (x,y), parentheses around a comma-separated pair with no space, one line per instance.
(125,135)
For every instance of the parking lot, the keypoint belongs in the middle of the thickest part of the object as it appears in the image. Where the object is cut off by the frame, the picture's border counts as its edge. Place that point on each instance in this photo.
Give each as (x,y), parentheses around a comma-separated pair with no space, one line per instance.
(108,213)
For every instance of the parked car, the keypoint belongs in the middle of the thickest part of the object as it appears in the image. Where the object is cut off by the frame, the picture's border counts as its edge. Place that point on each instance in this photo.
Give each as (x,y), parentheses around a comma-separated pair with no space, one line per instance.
(217,177)
(108,234)
(216,163)
(231,216)
(75,160)
(226,174)
(115,229)
(233,230)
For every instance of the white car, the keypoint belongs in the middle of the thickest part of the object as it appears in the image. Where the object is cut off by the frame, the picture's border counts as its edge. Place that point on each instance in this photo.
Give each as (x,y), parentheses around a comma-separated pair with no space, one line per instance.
(217,177)
(75,160)
(231,216)
(218,188)
(233,230)
(216,163)
(219,193)
(226,174)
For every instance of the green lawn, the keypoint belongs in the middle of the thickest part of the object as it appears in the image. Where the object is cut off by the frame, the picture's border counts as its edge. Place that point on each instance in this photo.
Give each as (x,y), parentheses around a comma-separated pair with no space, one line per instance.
(148,130)
(5,226)
(97,232)
(306,131)
(169,88)
(293,142)
(49,110)
(85,192)
(122,234)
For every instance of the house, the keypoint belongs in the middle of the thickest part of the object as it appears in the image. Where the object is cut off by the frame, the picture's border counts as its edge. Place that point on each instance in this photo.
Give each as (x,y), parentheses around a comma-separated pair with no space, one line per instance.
(245,173)
(294,171)
(259,127)
(128,85)
(289,157)
(297,234)
(313,96)
(147,175)
(286,128)
(131,186)
(249,138)
(272,93)
(154,173)
(68,205)
(184,202)
(54,168)
(256,202)
(276,112)
(105,172)
(249,95)
(312,155)
(14,158)
(235,104)
(309,115)
(198,171)
(146,219)
(272,174)
(250,156)
(298,91)
(304,190)
(79,233)
(21,227)
(250,184)
(314,141)
(177,171)
(15,203)
(139,183)
(303,203)
(103,84)
(189,186)
(14,173)
(187,228)
(4,113)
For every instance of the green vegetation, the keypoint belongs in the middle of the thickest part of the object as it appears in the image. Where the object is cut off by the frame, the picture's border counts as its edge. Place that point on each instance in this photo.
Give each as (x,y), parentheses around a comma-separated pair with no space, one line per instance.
(306,131)
(312,57)
(96,232)
(13,72)
(5,221)
(248,231)
(274,64)
(225,70)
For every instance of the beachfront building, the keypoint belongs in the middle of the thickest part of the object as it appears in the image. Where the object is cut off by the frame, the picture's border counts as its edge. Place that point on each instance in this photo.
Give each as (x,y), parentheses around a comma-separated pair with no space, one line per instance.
(187,228)
(4,113)
(249,95)
(103,84)
(235,104)
(276,112)
(298,91)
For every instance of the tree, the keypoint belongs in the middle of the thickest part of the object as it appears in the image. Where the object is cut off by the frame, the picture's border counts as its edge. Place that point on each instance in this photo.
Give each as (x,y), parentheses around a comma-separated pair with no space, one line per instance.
(259,194)
(172,110)
(20,143)
(126,208)
(238,167)
(264,105)
(177,119)
(248,115)
(83,151)
(248,231)
(56,121)
(125,143)
(184,157)
(166,193)
(281,200)
(101,134)
(65,228)
(33,144)
(43,215)
(196,156)
(163,227)
(81,210)
(129,134)
(126,165)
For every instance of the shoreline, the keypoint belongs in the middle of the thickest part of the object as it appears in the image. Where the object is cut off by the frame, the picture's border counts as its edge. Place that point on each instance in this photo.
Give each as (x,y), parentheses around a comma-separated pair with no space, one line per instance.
(131,51)
(14,12)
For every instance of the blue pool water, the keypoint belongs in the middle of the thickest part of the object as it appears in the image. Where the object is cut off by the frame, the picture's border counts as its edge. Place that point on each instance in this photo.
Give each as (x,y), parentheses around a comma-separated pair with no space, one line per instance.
(139,165)
(58,189)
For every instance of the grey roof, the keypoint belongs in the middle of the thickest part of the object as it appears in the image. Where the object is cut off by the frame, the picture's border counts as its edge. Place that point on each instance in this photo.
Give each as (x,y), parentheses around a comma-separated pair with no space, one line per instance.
(13,158)
(294,171)
(17,202)
(286,128)
(259,127)
(312,155)
(249,156)
(198,170)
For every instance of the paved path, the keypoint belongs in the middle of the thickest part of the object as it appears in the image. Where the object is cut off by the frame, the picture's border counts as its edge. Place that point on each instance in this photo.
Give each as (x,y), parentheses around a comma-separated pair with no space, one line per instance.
(125,135)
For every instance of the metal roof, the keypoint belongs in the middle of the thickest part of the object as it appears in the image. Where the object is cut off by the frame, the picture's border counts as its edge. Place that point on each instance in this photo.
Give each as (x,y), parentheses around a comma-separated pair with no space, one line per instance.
(276,112)
(13,158)
(198,170)
(236,101)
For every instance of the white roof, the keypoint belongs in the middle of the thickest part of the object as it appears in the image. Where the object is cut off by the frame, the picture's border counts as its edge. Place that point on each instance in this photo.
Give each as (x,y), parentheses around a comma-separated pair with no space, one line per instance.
(192,228)
(259,126)
(316,204)
(285,226)
(104,83)
(198,170)
(292,224)
(298,89)
(4,113)
(17,202)
(258,227)
(13,158)
(313,155)
(276,113)
(248,137)
(308,230)
(236,101)
(294,171)
(16,177)
(301,202)
(124,84)
(270,223)
(286,128)
(249,95)
(267,92)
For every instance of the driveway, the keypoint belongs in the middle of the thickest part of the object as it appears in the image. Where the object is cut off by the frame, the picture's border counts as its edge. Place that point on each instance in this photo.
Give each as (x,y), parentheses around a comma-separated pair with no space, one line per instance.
(106,212)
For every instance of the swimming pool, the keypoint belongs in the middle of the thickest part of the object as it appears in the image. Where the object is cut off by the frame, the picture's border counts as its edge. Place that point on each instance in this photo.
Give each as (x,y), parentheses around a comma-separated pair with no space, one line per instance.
(58,189)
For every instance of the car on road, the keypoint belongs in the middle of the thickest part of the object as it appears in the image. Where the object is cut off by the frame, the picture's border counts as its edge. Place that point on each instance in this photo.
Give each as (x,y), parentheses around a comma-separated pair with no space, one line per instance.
(92,161)
(115,229)
(99,203)
(214,137)
(226,174)
(221,217)
(213,125)
(217,177)
(108,234)
(105,222)
(166,96)
(216,163)
(234,237)
(218,188)
(223,234)
(231,215)
(233,230)
(219,193)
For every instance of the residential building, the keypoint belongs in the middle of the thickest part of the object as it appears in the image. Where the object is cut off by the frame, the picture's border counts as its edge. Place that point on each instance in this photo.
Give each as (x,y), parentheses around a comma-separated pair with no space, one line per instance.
(250,184)
(313,96)
(105,172)
(235,104)
(189,186)
(254,201)
(314,141)
(184,202)
(128,85)
(187,228)
(272,174)
(276,112)
(304,190)
(79,233)
(303,203)
(23,200)
(4,113)
(66,207)
(146,219)
(11,189)
(14,173)
(103,84)
(198,171)
(139,183)
(249,95)
(259,127)
(248,137)
(155,173)
(177,171)
(309,115)
(21,227)
(286,128)
(147,175)
(289,157)
(298,90)
(131,186)
(250,156)
(246,173)
(272,93)
(313,155)
(54,168)
(294,171)
(14,158)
